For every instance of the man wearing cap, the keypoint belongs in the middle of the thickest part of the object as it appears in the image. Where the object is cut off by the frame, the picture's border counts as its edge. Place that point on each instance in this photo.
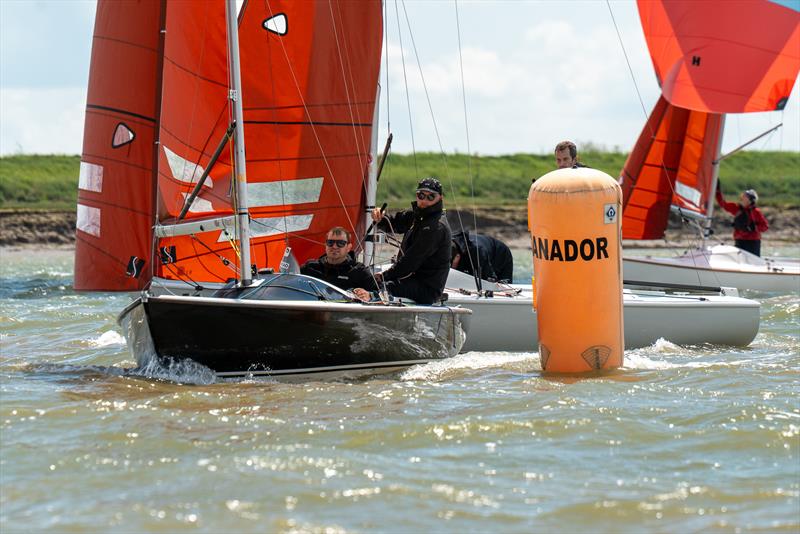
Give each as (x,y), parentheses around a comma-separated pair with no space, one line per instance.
(337,266)
(748,221)
(423,262)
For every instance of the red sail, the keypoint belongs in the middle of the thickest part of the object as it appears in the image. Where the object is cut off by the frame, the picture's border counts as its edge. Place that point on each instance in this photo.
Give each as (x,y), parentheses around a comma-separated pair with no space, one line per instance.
(671,164)
(723,56)
(310,75)
(195,113)
(116,188)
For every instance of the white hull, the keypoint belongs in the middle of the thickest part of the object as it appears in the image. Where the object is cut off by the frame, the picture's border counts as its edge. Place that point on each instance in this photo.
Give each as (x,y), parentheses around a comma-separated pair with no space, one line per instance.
(508,323)
(719,266)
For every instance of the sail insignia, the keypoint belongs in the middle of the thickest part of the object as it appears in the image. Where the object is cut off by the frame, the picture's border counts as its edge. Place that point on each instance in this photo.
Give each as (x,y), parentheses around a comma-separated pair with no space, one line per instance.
(277,24)
(134,268)
(123,135)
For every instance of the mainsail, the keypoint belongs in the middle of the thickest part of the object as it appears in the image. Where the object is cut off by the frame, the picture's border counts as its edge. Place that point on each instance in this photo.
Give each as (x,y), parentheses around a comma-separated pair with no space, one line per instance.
(159,104)
(710,58)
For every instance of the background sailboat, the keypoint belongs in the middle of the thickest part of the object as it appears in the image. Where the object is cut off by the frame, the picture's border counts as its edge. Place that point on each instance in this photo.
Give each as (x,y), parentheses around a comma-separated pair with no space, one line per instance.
(710,58)
(503,319)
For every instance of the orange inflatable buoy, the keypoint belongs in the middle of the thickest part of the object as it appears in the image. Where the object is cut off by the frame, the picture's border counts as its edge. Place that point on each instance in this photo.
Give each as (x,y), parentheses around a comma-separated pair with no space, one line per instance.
(574,220)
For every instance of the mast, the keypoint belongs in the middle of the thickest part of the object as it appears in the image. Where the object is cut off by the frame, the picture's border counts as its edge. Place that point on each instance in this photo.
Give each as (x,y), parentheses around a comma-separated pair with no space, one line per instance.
(240,205)
(714,178)
(372,178)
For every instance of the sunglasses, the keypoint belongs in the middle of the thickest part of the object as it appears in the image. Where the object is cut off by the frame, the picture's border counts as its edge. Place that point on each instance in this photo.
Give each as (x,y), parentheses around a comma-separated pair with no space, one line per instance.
(341,243)
(421,195)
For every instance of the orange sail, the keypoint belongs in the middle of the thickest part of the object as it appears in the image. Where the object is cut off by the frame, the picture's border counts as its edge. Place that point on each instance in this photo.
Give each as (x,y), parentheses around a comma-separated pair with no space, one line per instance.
(710,58)
(672,164)
(310,76)
(723,56)
(159,104)
(116,187)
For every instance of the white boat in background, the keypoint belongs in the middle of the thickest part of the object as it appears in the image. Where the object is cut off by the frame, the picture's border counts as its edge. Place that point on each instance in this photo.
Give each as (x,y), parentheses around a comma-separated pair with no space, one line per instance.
(719,265)
(731,66)
(503,318)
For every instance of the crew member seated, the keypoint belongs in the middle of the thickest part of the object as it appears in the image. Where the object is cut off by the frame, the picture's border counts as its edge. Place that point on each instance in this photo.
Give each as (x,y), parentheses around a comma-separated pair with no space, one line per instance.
(423,261)
(483,256)
(338,266)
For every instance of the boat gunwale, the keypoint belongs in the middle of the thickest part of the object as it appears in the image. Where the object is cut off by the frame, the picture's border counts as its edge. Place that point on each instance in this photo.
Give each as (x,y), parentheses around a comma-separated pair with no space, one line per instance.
(357,307)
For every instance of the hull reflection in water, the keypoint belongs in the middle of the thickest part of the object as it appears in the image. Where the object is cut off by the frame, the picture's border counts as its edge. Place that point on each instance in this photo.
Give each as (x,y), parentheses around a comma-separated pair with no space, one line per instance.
(261,331)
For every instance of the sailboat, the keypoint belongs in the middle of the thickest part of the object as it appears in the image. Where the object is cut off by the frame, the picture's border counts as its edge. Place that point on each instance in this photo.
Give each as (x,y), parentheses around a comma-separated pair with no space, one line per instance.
(711,59)
(171,205)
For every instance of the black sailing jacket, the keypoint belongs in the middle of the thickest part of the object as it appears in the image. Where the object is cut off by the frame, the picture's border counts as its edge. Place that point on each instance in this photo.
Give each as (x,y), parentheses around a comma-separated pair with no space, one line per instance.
(425,250)
(491,256)
(346,275)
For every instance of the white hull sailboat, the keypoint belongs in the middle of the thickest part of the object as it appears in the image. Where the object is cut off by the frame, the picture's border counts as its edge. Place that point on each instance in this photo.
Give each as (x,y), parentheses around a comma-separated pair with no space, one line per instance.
(705,69)
(503,318)
(721,265)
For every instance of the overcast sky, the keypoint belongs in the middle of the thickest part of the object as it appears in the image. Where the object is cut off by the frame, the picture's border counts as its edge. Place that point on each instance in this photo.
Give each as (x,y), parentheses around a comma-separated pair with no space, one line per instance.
(536,72)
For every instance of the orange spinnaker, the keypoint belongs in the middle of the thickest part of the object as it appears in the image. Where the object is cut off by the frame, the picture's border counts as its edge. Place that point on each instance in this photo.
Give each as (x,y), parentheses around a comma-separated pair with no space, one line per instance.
(574,220)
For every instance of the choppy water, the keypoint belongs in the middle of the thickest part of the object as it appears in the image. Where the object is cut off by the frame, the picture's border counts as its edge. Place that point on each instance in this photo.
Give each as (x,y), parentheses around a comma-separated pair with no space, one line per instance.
(681,439)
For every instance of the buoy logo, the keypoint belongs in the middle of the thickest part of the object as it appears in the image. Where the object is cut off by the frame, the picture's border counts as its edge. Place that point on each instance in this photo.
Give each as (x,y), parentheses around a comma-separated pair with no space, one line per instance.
(609,213)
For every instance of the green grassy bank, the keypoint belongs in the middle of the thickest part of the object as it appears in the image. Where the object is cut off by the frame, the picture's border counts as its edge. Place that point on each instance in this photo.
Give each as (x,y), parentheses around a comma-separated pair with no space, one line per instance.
(50,182)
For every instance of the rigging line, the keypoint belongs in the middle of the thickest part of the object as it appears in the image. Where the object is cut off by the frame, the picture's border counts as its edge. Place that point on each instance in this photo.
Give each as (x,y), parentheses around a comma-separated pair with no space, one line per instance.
(433,116)
(186,280)
(313,130)
(636,86)
(641,103)
(405,81)
(196,78)
(472,261)
(350,98)
(177,206)
(276,123)
(627,60)
(466,121)
(386,52)
(222,259)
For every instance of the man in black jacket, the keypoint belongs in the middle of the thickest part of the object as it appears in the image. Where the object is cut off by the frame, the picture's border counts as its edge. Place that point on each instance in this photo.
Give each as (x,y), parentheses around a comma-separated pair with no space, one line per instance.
(483,255)
(423,262)
(337,266)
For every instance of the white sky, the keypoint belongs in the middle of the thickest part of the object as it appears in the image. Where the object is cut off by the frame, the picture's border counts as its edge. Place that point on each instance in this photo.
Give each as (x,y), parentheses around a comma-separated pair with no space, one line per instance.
(536,72)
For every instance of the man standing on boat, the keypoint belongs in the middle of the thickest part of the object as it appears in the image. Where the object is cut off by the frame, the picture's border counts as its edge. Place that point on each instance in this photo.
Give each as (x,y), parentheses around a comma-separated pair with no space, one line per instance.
(337,266)
(483,255)
(423,262)
(748,222)
(567,156)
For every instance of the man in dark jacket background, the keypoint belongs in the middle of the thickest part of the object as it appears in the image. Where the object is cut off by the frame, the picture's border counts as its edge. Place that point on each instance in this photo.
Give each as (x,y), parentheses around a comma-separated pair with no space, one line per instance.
(482,255)
(337,266)
(423,262)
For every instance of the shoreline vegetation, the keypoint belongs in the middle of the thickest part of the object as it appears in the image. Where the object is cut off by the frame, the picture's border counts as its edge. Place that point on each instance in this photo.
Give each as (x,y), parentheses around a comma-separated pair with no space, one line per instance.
(38,193)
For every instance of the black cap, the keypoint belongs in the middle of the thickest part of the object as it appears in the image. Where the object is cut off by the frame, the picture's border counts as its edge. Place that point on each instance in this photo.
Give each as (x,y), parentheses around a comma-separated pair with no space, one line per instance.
(430,184)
